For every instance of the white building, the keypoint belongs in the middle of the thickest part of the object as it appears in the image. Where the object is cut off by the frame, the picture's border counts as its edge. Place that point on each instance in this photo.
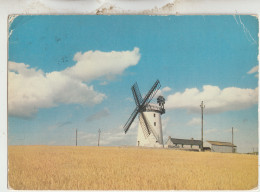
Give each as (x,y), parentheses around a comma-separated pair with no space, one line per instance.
(183,143)
(218,146)
(152,116)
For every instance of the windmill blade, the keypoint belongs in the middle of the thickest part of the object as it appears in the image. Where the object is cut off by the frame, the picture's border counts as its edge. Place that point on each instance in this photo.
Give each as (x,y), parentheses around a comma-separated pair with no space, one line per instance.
(144,125)
(140,102)
(149,96)
(137,94)
(149,128)
(130,120)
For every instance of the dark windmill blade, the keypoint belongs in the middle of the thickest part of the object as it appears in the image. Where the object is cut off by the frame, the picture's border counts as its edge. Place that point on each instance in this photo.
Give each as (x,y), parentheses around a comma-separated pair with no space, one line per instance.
(149,96)
(140,102)
(144,125)
(131,119)
(137,95)
(147,128)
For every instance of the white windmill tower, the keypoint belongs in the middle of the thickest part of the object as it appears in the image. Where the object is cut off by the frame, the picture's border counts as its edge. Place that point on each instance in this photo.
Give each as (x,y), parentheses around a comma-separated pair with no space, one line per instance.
(150,126)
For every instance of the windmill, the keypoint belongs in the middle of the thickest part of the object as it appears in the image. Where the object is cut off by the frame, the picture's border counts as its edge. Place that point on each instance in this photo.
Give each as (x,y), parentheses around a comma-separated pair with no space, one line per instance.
(150,126)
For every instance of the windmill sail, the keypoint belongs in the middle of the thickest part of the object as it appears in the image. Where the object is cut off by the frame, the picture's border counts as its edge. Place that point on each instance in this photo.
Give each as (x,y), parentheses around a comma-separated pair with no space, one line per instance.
(149,96)
(137,95)
(146,127)
(130,120)
(141,103)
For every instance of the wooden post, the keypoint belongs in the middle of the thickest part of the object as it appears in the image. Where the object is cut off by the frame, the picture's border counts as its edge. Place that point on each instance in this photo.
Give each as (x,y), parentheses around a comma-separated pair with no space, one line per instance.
(202,107)
(99,136)
(76,137)
(232,141)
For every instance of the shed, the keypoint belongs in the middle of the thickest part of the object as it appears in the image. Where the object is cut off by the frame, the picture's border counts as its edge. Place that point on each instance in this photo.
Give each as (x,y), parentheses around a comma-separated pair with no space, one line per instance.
(219,146)
(183,143)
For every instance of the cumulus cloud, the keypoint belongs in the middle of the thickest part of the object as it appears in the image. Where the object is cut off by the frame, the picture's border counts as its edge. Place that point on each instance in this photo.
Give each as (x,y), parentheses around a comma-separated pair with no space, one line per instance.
(253,70)
(30,89)
(215,99)
(88,138)
(118,137)
(194,121)
(162,91)
(166,89)
(112,137)
(99,115)
(95,64)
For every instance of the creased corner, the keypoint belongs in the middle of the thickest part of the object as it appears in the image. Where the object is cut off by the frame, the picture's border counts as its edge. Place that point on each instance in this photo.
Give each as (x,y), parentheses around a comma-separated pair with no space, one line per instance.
(11,19)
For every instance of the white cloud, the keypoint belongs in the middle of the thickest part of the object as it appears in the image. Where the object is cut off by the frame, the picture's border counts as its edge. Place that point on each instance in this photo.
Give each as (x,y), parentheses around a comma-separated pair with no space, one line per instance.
(194,121)
(166,89)
(162,91)
(30,89)
(158,93)
(118,137)
(215,99)
(90,139)
(253,70)
(113,137)
(95,64)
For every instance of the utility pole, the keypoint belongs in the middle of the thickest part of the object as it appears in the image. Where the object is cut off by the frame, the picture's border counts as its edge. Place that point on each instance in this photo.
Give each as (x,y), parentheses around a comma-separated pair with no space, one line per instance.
(232,141)
(202,108)
(76,137)
(99,136)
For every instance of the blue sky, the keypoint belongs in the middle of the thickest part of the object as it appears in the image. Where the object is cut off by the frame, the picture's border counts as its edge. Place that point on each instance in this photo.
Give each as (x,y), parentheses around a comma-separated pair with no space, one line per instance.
(68,72)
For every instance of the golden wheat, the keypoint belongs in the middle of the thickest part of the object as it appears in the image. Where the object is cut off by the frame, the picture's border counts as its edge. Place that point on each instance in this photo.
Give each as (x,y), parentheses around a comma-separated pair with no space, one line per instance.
(121,168)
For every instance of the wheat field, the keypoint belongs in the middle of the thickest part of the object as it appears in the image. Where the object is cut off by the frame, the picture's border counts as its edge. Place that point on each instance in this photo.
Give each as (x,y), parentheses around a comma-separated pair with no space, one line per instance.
(122,168)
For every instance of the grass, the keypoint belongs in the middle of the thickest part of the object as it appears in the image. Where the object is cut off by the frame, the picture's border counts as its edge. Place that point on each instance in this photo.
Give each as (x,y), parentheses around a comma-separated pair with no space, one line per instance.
(121,168)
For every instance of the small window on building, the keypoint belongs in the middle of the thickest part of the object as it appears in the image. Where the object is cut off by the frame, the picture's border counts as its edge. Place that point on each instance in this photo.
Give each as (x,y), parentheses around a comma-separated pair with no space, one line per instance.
(154,123)
(154,114)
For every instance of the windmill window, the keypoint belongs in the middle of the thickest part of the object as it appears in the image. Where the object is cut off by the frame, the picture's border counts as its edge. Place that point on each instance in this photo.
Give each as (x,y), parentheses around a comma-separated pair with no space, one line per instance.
(154,114)
(154,123)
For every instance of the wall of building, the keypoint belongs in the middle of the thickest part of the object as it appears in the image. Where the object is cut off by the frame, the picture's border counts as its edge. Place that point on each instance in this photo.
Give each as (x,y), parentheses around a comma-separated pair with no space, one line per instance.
(154,119)
(221,149)
(169,144)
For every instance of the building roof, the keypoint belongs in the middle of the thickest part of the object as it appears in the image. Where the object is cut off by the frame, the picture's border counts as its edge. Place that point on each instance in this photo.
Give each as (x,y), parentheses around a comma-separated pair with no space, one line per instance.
(186,141)
(221,143)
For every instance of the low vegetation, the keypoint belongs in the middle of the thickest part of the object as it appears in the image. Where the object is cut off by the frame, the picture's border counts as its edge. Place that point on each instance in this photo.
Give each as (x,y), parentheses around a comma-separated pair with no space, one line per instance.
(122,168)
